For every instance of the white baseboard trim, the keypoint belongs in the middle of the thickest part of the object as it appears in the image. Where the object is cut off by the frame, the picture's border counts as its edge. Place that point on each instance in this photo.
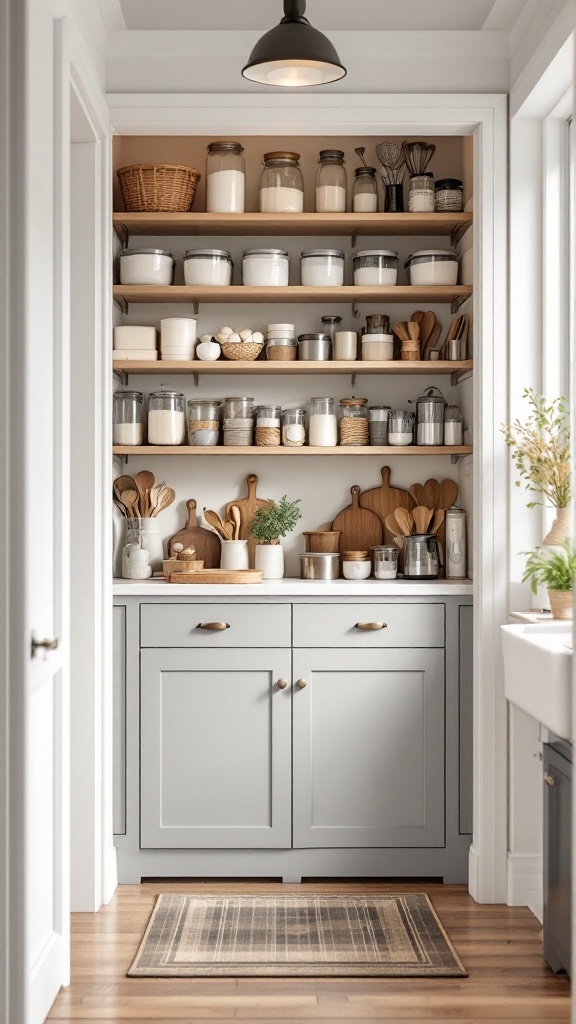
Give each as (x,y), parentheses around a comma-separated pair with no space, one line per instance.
(109,873)
(473,873)
(524,882)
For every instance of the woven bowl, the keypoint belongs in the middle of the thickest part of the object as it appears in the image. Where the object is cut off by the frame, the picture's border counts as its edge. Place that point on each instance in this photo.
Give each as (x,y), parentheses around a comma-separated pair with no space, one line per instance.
(158,188)
(241,350)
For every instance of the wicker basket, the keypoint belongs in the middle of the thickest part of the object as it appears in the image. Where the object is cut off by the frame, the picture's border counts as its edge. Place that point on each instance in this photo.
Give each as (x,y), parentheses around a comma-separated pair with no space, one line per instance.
(322,541)
(240,350)
(158,188)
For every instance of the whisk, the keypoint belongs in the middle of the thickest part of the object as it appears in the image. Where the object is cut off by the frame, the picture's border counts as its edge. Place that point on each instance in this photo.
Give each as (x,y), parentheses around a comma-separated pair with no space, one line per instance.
(392,159)
(417,156)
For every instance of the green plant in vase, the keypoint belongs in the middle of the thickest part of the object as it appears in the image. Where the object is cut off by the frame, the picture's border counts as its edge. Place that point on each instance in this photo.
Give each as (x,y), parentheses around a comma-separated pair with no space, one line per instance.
(541,453)
(271,524)
(555,570)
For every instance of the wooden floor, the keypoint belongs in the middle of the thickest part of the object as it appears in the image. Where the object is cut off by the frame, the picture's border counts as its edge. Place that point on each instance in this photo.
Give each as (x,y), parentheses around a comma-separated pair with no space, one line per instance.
(500,947)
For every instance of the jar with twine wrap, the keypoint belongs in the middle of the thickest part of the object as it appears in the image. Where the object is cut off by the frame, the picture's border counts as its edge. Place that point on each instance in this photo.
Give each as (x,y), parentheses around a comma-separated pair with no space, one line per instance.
(354,428)
(268,426)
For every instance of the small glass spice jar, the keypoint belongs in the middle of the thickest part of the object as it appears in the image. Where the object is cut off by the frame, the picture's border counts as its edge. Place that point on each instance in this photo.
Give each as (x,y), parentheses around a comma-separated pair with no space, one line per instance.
(268,426)
(238,422)
(166,418)
(281,184)
(365,198)
(448,196)
(331,182)
(453,425)
(204,423)
(378,419)
(225,178)
(128,423)
(421,194)
(354,421)
(323,425)
(293,429)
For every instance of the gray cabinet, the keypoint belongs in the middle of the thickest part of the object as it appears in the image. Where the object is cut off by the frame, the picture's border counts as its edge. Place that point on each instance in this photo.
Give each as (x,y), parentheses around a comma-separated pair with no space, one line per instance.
(215,749)
(369,748)
(119,731)
(557,855)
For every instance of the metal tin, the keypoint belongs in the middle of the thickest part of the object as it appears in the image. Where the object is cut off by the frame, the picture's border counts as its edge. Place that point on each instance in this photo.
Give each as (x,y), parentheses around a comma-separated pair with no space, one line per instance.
(315,347)
(319,566)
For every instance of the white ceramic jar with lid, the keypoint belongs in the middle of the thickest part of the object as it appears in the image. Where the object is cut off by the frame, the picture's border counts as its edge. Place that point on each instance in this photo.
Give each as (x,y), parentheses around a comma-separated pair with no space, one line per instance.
(322,268)
(375,267)
(225,178)
(265,268)
(166,418)
(207,267)
(432,266)
(281,184)
(331,182)
(146,266)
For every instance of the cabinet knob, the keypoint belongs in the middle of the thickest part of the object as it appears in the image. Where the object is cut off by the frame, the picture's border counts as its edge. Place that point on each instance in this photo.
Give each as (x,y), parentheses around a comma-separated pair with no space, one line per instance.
(366,626)
(47,645)
(549,780)
(214,626)
(301,683)
(281,684)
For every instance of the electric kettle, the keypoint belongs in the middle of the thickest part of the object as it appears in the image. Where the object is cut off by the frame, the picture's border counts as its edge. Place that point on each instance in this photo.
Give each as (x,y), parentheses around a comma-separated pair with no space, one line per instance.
(421,556)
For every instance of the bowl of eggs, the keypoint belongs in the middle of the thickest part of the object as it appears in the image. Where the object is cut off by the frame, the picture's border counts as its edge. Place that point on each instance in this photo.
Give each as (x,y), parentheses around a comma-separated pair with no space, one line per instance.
(245,344)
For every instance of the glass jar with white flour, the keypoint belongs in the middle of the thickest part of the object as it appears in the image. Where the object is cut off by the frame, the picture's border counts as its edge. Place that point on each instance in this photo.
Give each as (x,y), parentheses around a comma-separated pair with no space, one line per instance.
(281,184)
(225,178)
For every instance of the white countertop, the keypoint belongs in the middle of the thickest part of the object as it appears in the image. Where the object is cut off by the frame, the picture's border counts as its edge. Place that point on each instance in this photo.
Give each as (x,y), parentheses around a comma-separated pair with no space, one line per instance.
(292,587)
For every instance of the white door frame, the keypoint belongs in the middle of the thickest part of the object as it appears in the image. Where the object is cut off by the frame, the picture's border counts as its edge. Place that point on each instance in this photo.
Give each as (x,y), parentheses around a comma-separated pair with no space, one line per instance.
(486,117)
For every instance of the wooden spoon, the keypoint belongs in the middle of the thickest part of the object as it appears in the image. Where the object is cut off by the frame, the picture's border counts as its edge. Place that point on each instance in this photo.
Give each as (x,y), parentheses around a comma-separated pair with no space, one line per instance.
(234,514)
(413,330)
(401,330)
(448,494)
(432,493)
(129,499)
(437,521)
(144,481)
(417,492)
(165,497)
(405,521)
(417,316)
(422,517)
(390,523)
(123,483)
(213,519)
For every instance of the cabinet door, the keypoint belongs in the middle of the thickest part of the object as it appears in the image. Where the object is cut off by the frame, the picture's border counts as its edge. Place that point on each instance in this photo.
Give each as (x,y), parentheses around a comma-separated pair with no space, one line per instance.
(557,859)
(119,730)
(215,749)
(369,748)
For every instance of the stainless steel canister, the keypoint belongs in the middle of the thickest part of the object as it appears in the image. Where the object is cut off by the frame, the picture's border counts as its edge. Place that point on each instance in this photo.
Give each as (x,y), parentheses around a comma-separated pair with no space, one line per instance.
(319,566)
(314,347)
(430,418)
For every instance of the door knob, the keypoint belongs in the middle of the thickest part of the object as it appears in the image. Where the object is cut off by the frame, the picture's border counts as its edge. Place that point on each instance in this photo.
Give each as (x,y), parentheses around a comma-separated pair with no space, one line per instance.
(549,780)
(47,645)
(301,683)
(281,684)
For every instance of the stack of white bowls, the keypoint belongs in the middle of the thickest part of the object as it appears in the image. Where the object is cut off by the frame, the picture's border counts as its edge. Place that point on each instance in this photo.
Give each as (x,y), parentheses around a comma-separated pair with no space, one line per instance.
(275,331)
(177,338)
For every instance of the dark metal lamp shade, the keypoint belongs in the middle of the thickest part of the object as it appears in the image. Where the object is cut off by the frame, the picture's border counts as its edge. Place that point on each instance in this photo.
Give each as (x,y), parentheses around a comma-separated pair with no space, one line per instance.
(294,54)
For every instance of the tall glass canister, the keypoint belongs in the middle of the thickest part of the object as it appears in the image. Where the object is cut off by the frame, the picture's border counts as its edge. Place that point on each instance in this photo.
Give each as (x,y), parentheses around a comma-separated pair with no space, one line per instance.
(166,418)
(365,199)
(331,182)
(225,178)
(128,422)
(281,184)
(323,425)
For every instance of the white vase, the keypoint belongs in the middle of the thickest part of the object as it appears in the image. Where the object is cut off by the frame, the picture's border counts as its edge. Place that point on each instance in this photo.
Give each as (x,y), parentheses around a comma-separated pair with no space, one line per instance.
(270,559)
(234,554)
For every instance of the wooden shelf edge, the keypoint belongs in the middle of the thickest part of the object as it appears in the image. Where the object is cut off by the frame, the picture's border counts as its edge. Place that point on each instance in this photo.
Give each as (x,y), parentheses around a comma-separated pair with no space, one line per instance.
(291,293)
(150,449)
(270,368)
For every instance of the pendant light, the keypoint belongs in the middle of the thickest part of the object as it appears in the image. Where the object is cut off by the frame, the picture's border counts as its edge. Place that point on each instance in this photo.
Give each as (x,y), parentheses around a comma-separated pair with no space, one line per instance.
(294,54)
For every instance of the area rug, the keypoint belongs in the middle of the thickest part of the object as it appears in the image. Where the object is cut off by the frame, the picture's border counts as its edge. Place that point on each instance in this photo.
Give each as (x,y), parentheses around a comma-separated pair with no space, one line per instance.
(295,936)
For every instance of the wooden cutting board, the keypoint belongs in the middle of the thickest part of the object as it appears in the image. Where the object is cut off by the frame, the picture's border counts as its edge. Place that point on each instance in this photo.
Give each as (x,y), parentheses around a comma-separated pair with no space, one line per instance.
(384,500)
(206,542)
(361,528)
(248,506)
(218,576)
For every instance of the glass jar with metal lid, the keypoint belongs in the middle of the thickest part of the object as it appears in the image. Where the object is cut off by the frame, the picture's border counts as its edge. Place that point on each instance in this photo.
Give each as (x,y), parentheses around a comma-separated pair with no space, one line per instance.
(204,423)
(128,425)
(449,196)
(265,268)
(166,418)
(322,268)
(281,184)
(331,182)
(365,198)
(208,267)
(354,421)
(385,561)
(268,426)
(225,178)
(375,267)
(146,266)
(421,194)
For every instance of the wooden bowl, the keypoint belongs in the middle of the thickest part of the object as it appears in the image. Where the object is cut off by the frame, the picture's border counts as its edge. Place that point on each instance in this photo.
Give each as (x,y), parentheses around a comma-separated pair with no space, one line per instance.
(355,556)
(323,541)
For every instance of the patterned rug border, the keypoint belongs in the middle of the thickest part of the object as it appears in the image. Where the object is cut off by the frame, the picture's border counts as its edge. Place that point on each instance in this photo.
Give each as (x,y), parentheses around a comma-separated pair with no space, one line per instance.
(308,970)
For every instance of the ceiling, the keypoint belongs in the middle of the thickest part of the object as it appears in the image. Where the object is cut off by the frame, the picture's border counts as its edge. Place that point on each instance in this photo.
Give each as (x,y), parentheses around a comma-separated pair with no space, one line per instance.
(337,15)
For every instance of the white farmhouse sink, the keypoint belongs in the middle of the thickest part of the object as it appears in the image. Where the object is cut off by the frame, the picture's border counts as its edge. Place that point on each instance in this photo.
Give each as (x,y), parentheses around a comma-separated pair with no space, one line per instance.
(538,671)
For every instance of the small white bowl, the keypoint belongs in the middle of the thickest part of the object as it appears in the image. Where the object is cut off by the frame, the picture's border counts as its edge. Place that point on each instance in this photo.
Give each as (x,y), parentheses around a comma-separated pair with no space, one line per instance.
(356,570)
(282,329)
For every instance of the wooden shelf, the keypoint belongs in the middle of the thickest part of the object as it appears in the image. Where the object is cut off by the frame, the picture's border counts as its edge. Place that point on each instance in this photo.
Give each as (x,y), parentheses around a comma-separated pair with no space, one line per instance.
(265,368)
(293,293)
(353,224)
(151,449)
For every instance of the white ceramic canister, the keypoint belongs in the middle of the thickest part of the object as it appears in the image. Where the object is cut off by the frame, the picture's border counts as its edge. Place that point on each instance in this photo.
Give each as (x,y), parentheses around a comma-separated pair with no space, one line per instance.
(356,570)
(375,267)
(265,268)
(207,267)
(377,347)
(270,559)
(133,337)
(432,266)
(146,534)
(146,266)
(178,333)
(322,268)
(345,345)
(234,554)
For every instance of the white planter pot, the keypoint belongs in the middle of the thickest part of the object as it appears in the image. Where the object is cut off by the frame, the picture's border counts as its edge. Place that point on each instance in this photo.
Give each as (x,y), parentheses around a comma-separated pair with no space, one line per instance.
(234,554)
(270,558)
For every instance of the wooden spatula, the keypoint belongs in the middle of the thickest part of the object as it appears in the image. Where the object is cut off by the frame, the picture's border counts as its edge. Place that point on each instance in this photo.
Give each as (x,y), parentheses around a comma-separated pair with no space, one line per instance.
(405,521)
(437,521)
(417,492)
(422,517)
(448,494)
(432,493)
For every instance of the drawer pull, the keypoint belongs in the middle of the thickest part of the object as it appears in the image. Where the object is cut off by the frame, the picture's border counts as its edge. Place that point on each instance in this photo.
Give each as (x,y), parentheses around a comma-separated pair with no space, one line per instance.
(368,626)
(281,684)
(214,626)
(549,780)
(301,683)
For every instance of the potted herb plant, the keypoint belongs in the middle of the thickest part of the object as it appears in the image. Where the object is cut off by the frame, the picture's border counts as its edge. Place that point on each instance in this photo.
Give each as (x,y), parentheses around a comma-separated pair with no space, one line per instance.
(541,454)
(271,523)
(555,570)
